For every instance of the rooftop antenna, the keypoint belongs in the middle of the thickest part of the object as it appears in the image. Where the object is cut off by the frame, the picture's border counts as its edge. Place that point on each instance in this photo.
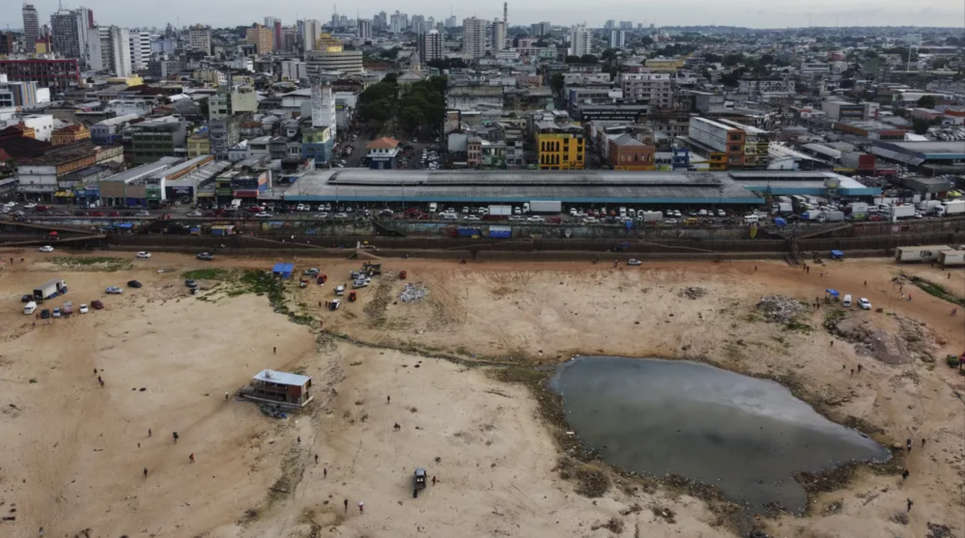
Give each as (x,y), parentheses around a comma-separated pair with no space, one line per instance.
(505,13)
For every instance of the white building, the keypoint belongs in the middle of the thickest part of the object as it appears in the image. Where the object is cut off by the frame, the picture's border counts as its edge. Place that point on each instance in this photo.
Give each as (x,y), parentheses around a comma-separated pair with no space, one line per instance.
(140,45)
(430,46)
(43,124)
(474,37)
(499,35)
(313,30)
(294,70)
(618,39)
(364,29)
(580,40)
(199,38)
(110,50)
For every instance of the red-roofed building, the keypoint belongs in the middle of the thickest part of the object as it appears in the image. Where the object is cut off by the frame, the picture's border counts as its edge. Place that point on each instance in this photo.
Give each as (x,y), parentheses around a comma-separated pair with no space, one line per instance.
(382,153)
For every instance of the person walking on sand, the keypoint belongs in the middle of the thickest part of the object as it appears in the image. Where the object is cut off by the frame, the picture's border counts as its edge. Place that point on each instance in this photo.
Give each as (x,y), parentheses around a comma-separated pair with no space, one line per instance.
(388,400)
(191,457)
(361,507)
(346,506)
(274,350)
(908,444)
(859,368)
(145,472)
(324,472)
(149,432)
(433,480)
(923,442)
(904,474)
(316,459)
(100,380)
(175,436)
(910,502)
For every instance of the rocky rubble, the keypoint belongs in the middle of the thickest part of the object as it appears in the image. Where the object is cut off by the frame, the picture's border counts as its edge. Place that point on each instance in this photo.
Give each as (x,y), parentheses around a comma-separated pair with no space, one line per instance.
(693,292)
(780,308)
(413,292)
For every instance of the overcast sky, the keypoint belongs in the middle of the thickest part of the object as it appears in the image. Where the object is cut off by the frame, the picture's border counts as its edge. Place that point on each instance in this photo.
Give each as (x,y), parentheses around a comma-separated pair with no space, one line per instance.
(757,14)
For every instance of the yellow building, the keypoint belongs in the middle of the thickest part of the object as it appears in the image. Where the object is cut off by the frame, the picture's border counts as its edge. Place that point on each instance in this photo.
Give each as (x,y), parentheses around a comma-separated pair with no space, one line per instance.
(560,147)
(262,38)
(69,134)
(133,80)
(665,65)
(198,145)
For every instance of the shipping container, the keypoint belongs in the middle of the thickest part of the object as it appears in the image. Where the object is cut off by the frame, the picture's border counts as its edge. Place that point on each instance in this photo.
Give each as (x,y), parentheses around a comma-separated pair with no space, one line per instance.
(500,232)
(51,288)
(500,210)
(949,258)
(651,216)
(919,254)
(955,207)
(901,212)
(855,208)
(544,206)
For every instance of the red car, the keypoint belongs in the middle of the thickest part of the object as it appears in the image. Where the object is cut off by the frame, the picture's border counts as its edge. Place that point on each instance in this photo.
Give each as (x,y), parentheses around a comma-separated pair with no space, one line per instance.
(96,214)
(255,209)
(114,214)
(97,305)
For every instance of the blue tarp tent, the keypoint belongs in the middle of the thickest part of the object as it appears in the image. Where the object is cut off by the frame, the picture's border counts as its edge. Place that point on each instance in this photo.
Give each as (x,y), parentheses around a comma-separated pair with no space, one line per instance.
(837,255)
(832,293)
(283,270)
(780,222)
(126,225)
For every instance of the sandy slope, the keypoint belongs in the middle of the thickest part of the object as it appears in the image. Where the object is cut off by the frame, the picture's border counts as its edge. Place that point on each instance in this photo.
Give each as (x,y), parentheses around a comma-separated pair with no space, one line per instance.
(71,460)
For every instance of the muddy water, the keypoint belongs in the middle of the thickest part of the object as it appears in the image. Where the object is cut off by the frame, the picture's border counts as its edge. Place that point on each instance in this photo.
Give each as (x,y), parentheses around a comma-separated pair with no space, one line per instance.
(746,436)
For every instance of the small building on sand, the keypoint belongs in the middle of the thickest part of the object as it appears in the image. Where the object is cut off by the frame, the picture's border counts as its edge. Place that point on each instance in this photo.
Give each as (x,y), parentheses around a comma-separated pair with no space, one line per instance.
(282,388)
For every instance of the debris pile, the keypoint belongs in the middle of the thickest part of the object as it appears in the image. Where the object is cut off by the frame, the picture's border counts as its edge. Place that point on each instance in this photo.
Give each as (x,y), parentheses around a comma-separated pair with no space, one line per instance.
(413,292)
(781,309)
(693,292)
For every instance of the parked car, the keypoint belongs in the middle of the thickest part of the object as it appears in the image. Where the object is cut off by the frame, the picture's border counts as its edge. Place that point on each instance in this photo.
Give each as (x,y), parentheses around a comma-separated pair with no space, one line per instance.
(864,303)
(83,309)
(205,256)
(262,215)
(56,313)
(148,214)
(46,248)
(97,305)
(114,290)
(191,283)
(45,314)
(97,213)
(194,214)
(144,255)
(26,298)
(134,284)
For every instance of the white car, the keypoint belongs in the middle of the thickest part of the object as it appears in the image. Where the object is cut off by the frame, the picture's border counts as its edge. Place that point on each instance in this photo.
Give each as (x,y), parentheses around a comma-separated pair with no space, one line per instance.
(46,248)
(721,213)
(634,261)
(144,255)
(262,215)
(30,206)
(190,214)
(472,217)
(83,309)
(864,303)
(113,290)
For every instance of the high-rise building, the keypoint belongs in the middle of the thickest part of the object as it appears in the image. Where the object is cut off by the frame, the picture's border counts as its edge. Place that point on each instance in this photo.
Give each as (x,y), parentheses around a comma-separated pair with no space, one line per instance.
(430,46)
(499,35)
(140,46)
(364,29)
(418,24)
(452,22)
(58,75)
(398,22)
(68,30)
(540,29)
(579,40)
(474,37)
(262,38)
(608,25)
(110,50)
(313,30)
(618,39)
(6,43)
(31,28)
(277,34)
(334,60)
(199,38)
(626,25)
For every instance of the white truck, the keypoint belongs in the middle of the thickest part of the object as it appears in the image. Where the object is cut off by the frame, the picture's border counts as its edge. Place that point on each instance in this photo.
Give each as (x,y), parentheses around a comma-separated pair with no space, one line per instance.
(831,216)
(919,254)
(783,207)
(650,216)
(500,210)
(545,206)
(901,212)
(928,206)
(955,207)
(948,258)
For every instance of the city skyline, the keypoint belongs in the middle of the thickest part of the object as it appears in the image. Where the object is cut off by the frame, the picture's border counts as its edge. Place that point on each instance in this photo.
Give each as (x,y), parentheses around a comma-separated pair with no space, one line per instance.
(739,13)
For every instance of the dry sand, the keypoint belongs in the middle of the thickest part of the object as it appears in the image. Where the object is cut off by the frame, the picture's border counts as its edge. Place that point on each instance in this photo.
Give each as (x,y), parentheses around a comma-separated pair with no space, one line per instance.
(70,456)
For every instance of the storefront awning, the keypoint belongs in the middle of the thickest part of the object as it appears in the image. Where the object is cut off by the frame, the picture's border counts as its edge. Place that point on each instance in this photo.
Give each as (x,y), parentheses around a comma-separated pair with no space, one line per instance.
(63,194)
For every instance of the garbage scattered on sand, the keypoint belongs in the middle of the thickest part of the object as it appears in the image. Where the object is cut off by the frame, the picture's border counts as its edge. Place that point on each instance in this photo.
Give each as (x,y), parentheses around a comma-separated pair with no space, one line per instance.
(693,292)
(780,308)
(413,292)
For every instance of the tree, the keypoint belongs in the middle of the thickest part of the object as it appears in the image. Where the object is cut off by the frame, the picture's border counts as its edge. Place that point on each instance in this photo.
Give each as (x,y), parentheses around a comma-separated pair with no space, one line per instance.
(609,55)
(412,118)
(557,82)
(920,125)
(588,59)
(926,101)
(573,59)
(646,41)
(391,78)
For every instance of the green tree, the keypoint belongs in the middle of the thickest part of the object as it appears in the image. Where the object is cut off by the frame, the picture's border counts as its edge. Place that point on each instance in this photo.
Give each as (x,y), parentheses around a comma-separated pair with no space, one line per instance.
(573,59)
(412,118)
(646,41)
(920,125)
(588,59)
(926,101)
(609,55)
(391,78)
(557,82)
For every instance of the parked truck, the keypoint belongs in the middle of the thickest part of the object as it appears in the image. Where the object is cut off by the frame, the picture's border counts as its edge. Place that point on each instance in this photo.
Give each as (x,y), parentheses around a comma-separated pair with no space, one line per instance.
(919,254)
(51,288)
(650,216)
(950,258)
(832,216)
(812,215)
(955,207)
(498,212)
(857,208)
(928,206)
(546,206)
(901,212)
(783,208)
